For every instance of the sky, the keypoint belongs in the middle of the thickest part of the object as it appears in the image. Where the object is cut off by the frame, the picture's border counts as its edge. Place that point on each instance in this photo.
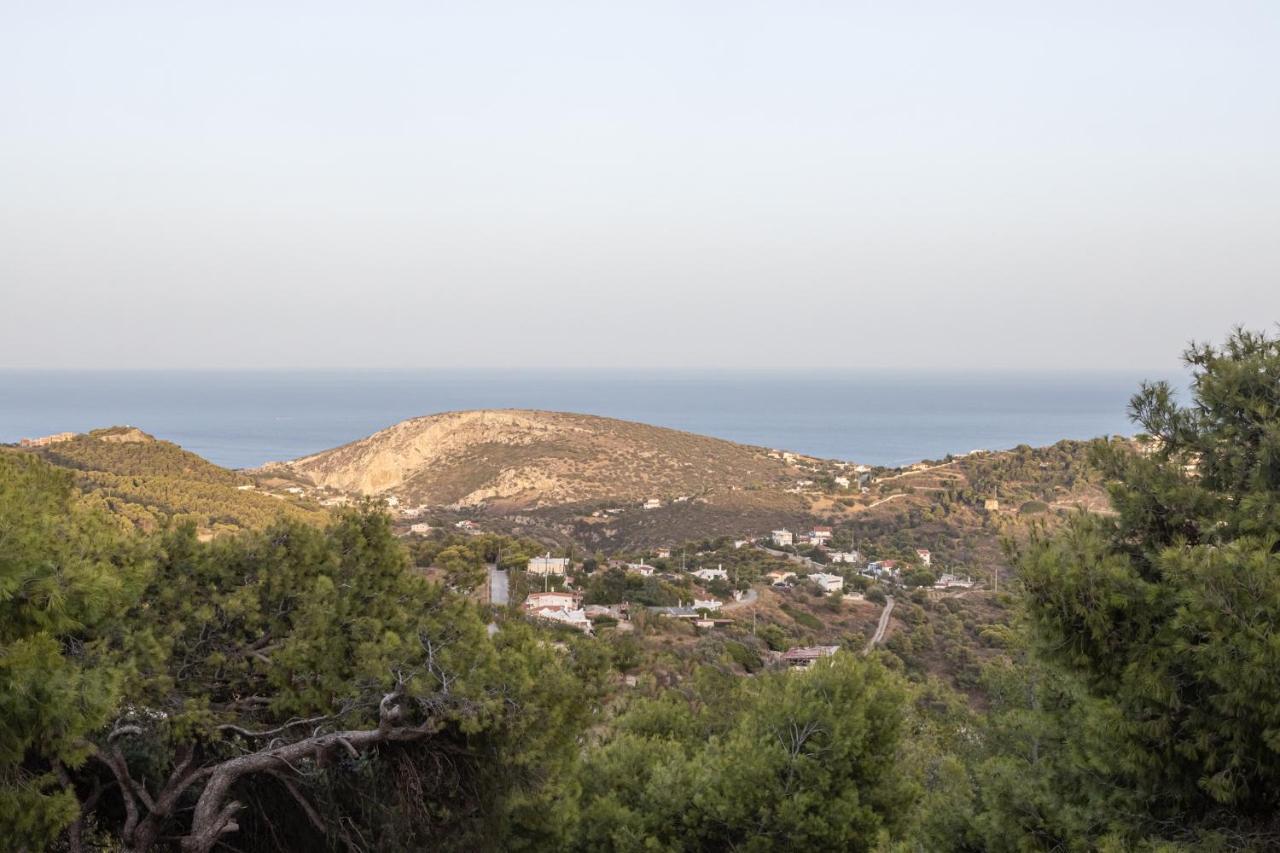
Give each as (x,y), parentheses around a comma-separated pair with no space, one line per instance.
(846,185)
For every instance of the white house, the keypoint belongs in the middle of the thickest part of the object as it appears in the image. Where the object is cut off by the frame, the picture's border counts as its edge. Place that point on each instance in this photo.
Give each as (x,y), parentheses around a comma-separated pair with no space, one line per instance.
(925,556)
(556,600)
(844,556)
(820,535)
(947,581)
(803,657)
(711,574)
(779,577)
(421,528)
(643,569)
(466,524)
(652,503)
(828,583)
(392,501)
(842,482)
(548,565)
(663,553)
(706,604)
(573,618)
(782,537)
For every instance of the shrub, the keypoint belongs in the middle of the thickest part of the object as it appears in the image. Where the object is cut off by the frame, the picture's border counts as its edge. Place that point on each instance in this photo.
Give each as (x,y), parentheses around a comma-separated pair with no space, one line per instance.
(742,656)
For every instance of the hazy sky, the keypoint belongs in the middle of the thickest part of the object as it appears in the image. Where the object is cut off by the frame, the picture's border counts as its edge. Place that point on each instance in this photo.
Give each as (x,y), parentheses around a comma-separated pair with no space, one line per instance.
(704,184)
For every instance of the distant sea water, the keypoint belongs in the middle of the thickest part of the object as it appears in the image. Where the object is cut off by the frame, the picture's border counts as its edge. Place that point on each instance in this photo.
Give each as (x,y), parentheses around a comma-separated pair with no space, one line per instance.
(245,418)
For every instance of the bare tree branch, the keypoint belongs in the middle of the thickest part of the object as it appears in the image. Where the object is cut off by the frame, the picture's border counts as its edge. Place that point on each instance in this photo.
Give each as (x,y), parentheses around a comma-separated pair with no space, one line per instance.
(227,727)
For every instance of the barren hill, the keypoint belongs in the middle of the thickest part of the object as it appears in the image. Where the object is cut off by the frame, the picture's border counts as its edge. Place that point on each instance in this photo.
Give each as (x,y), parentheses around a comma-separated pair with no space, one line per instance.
(521,458)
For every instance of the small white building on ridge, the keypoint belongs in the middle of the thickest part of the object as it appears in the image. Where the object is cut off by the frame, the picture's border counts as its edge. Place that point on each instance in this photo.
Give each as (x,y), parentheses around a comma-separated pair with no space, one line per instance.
(548,565)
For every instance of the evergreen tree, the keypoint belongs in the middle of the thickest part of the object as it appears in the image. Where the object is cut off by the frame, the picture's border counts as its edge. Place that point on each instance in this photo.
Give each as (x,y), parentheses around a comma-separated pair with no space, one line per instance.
(1167,611)
(64,572)
(779,762)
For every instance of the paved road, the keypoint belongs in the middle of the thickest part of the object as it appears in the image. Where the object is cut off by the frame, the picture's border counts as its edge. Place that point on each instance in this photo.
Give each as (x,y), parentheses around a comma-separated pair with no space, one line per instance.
(882,626)
(498,588)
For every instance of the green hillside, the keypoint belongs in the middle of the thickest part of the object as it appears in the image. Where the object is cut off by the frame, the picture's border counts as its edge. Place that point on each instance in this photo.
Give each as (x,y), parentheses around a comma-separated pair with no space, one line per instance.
(150,483)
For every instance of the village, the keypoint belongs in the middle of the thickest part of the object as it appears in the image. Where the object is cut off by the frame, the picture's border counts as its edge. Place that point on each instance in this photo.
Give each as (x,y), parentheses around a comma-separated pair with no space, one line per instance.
(561,591)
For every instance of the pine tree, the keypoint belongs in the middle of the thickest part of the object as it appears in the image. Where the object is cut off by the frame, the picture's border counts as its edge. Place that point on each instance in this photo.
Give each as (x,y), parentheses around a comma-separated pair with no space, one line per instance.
(64,572)
(1168,610)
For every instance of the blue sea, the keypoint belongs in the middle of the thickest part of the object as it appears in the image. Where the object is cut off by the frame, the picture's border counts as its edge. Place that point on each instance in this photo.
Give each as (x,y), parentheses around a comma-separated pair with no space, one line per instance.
(244,418)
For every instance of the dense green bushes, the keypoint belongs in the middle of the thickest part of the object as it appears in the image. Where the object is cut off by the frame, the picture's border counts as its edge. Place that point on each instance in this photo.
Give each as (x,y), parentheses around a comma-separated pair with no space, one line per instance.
(163,687)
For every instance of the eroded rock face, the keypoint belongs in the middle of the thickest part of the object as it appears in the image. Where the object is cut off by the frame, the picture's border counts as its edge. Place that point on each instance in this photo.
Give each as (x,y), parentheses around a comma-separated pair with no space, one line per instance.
(535,458)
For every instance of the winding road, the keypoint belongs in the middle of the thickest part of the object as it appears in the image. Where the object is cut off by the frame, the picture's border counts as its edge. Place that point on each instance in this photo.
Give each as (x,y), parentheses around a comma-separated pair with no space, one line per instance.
(882,626)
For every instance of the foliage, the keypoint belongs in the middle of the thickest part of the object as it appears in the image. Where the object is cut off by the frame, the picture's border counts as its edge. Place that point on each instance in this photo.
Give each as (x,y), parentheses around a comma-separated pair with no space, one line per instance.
(778,762)
(296,681)
(614,586)
(150,484)
(802,617)
(1165,611)
(64,572)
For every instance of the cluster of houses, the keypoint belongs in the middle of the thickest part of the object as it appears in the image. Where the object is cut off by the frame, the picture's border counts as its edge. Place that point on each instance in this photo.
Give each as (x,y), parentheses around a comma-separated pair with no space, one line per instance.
(566,607)
(46,440)
(889,570)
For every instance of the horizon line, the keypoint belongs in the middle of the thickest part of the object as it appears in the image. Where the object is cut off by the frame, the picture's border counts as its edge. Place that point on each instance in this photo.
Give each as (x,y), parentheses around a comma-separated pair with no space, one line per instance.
(828,370)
